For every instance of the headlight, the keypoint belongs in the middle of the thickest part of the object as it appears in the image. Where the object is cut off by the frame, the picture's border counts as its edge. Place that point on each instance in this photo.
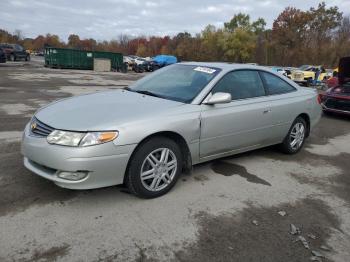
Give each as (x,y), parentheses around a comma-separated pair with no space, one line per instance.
(67,138)
(96,138)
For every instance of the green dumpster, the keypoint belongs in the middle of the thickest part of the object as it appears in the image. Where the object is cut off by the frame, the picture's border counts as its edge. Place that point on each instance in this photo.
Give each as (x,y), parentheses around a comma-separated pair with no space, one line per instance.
(80,59)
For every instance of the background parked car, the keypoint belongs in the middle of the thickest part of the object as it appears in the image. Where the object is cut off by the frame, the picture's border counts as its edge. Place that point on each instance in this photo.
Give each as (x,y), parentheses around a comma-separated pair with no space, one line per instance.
(2,56)
(139,60)
(289,71)
(15,52)
(328,74)
(39,53)
(164,60)
(337,98)
(128,61)
(279,70)
(160,61)
(140,65)
(306,74)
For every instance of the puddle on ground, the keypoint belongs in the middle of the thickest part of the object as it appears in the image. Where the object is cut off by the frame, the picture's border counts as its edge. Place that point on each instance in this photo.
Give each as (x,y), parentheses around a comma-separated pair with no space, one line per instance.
(200,178)
(51,254)
(229,169)
(233,236)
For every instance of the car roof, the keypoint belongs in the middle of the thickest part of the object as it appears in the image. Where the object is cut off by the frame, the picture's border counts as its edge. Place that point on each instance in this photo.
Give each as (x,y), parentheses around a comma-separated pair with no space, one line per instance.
(224,66)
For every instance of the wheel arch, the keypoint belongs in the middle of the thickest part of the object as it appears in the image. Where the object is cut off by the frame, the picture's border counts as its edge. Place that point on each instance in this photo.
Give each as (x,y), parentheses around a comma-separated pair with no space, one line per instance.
(306,117)
(176,137)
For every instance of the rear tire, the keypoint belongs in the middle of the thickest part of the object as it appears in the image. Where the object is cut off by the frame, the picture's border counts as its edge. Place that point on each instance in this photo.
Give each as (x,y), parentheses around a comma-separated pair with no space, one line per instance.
(154,168)
(295,138)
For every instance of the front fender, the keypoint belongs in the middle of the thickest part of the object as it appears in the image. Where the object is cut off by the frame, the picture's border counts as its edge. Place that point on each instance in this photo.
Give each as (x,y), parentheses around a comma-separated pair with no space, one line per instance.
(185,124)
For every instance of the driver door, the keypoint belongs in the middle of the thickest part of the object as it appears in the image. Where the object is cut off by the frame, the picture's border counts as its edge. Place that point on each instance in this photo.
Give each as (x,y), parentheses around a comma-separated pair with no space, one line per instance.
(241,124)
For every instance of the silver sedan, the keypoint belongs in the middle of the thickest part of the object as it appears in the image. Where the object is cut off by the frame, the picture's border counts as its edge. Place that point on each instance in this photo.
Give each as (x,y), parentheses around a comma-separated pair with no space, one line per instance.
(147,134)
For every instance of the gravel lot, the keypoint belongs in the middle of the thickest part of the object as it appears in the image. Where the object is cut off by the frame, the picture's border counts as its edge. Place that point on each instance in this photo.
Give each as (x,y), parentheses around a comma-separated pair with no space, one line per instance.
(226,210)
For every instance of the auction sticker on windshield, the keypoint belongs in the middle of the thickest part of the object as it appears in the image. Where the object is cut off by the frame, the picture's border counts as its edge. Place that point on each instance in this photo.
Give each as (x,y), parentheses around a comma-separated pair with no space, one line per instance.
(204,69)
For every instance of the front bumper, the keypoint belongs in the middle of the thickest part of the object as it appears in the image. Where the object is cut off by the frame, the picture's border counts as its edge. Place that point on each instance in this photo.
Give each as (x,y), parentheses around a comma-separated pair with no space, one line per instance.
(336,104)
(333,110)
(299,80)
(105,163)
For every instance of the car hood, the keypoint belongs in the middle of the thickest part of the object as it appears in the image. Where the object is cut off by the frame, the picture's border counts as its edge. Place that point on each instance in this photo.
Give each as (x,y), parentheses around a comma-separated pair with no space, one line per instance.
(344,70)
(102,111)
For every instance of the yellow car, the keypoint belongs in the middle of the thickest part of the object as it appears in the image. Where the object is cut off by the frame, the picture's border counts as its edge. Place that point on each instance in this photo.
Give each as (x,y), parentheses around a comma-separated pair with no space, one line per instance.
(306,74)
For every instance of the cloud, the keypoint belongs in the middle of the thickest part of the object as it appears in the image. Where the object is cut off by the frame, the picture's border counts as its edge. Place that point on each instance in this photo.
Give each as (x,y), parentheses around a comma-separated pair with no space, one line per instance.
(18,3)
(210,9)
(151,4)
(106,19)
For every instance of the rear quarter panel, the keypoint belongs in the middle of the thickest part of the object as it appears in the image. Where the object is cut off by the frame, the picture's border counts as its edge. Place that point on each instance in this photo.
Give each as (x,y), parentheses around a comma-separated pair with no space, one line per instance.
(311,106)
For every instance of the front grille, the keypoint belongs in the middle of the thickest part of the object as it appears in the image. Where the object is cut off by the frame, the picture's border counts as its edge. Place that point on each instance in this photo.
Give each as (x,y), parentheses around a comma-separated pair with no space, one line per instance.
(39,129)
(338,104)
(298,76)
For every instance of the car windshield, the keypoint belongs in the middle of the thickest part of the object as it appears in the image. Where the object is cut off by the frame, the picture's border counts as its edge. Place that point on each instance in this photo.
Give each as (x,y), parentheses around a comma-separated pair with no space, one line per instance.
(176,82)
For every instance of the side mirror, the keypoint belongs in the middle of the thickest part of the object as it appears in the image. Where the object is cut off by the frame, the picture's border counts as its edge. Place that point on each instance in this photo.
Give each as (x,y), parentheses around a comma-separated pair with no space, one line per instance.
(218,98)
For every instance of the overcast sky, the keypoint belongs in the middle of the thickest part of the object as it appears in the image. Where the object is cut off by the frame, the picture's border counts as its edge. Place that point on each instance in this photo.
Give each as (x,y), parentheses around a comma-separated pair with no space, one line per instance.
(106,19)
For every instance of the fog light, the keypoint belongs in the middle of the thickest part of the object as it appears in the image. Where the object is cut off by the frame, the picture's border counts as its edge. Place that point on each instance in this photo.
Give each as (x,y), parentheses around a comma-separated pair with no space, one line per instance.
(73,176)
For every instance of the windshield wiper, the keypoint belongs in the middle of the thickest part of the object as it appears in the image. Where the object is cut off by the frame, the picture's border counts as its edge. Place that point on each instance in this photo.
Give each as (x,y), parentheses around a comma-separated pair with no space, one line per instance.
(144,92)
(148,93)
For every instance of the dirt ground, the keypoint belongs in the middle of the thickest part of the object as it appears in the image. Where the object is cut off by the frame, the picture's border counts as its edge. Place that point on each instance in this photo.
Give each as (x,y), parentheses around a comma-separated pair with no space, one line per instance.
(226,210)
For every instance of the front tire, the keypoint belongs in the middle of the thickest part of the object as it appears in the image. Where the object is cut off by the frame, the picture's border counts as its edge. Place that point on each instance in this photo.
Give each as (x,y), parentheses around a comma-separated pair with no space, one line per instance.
(295,138)
(154,168)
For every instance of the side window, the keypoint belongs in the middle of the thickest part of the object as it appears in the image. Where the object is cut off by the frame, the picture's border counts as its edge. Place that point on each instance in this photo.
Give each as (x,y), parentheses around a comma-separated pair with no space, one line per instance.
(276,85)
(241,84)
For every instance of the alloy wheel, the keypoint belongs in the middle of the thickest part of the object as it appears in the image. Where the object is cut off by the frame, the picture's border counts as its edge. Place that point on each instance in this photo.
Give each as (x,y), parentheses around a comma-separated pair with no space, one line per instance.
(158,169)
(297,136)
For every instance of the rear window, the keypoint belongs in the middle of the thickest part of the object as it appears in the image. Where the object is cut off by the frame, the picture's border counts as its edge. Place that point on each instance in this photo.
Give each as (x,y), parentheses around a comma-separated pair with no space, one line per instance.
(276,85)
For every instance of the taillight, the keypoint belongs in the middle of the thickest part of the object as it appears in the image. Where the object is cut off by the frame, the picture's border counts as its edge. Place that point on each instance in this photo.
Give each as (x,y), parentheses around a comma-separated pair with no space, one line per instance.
(337,90)
(319,98)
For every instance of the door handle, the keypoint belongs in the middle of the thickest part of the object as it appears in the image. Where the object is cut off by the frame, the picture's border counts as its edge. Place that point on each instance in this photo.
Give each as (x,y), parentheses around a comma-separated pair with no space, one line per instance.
(266,111)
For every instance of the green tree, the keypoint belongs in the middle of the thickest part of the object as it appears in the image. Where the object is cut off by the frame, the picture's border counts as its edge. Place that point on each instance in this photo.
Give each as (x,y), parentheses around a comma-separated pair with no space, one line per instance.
(239,38)
(238,46)
(211,49)
(238,21)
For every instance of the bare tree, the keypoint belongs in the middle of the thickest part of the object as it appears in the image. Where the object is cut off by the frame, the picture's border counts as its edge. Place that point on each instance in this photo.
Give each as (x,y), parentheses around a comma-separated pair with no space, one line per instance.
(18,34)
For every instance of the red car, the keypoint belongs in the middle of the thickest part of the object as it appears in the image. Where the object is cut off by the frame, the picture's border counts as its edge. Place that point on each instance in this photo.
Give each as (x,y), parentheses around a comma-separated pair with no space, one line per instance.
(337,99)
